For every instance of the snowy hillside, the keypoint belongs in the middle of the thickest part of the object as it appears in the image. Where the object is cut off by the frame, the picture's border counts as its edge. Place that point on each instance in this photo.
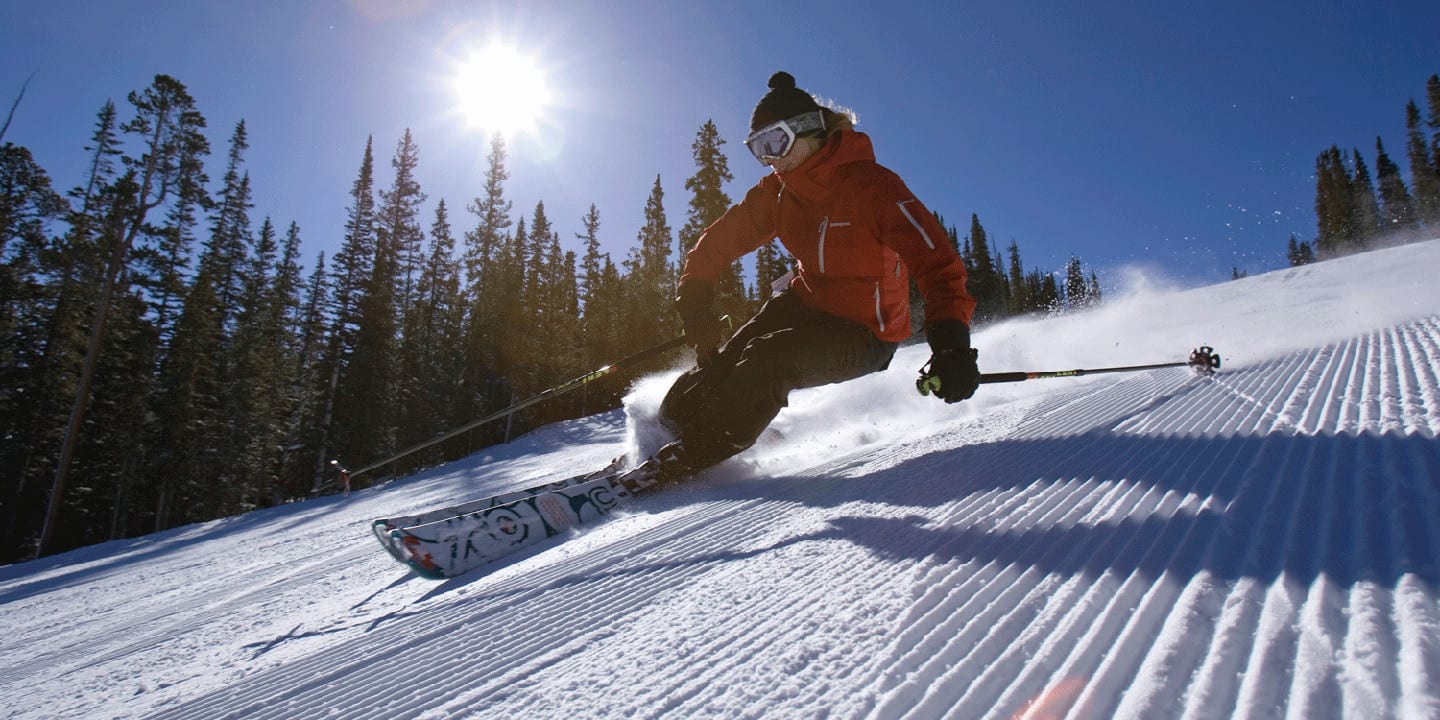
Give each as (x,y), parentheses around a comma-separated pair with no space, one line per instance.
(1262,543)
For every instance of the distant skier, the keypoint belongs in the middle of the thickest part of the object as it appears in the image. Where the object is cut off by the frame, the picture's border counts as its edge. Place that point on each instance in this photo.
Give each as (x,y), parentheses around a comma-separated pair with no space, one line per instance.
(342,476)
(858,234)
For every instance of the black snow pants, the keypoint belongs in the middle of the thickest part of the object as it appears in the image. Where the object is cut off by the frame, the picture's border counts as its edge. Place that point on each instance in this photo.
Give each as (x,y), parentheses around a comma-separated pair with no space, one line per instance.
(720,409)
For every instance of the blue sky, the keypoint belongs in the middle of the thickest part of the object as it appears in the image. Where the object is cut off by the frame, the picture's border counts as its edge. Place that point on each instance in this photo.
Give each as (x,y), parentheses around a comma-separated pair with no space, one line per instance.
(1180,137)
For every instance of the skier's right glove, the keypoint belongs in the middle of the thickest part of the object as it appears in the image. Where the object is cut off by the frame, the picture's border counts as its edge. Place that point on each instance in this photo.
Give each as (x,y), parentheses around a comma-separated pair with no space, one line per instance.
(953,373)
(696,305)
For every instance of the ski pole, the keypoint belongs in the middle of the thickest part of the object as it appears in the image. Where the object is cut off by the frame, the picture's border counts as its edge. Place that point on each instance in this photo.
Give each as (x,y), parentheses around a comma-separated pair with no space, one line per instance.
(544,395)
(1202,359)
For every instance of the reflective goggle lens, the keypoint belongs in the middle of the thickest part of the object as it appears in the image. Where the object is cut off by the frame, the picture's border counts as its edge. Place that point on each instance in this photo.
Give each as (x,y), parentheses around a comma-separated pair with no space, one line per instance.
(774,140)
(771,142)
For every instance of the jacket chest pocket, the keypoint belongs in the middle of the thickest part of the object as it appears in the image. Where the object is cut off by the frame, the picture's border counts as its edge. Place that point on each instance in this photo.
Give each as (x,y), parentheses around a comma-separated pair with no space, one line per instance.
(833,236)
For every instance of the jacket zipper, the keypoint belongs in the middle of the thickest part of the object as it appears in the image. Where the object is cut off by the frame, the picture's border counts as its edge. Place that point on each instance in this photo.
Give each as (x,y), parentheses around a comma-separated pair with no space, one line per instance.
(825,226)
(879,317)
(912,220)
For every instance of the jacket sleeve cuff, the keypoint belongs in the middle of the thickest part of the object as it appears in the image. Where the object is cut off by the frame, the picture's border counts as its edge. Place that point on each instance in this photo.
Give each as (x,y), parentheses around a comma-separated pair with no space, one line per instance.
(694,292)
(947,335)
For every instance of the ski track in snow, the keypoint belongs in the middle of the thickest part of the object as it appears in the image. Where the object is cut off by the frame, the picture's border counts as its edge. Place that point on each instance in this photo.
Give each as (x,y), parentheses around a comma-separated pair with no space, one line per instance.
(1260,543)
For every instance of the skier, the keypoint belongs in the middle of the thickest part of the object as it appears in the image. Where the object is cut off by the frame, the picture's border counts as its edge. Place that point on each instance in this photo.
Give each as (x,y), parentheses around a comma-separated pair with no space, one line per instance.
(857,234)
(343,475)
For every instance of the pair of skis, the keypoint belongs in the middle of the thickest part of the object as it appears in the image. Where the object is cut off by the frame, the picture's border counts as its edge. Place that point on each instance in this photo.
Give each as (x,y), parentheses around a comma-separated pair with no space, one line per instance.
(449,541)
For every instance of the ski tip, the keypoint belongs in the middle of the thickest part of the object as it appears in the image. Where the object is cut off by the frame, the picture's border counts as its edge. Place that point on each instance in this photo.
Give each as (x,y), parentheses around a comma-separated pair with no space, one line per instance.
(428,574)
(409,550)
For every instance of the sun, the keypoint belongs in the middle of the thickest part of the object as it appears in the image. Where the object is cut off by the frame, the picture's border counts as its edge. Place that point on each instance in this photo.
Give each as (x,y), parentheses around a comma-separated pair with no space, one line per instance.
(501,90)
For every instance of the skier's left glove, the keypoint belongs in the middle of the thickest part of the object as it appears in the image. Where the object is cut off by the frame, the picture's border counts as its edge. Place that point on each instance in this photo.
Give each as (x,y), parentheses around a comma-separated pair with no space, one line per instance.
(953,373)
(696,305)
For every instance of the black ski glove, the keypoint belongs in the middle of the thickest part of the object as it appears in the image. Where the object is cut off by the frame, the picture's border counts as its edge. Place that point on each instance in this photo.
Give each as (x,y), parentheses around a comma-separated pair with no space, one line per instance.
(696,305)
(953,373)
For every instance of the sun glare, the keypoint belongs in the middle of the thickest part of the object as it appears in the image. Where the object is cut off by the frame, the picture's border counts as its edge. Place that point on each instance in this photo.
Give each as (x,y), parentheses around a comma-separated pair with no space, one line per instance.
(500,90)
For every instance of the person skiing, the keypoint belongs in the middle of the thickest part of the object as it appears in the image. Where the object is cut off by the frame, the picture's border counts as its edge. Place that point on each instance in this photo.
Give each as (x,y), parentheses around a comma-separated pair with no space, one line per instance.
(857,234)
(342,475)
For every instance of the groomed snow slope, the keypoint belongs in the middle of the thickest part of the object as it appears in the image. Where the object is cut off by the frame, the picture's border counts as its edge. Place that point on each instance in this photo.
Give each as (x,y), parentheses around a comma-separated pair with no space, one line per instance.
(1263,543)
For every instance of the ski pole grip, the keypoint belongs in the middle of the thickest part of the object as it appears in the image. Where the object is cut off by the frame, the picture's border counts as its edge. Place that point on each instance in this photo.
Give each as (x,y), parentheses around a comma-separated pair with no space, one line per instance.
(927,384)
(1004,377)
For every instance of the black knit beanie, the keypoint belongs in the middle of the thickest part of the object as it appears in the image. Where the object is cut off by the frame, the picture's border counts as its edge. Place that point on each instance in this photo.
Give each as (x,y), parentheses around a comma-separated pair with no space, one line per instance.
(783,102)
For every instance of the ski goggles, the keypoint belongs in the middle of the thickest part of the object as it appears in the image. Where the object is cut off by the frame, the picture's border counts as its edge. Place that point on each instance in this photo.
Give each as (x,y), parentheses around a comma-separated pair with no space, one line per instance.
(774,141)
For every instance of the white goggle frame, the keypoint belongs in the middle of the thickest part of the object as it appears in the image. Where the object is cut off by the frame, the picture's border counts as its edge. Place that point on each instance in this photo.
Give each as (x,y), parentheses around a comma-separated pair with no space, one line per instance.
(775,140)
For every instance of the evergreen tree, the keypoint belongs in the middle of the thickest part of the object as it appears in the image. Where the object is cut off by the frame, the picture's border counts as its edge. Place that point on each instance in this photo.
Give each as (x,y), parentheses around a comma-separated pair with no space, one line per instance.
(226,263)
(597,334)
(610,313)
(287,307)
(57,306)
(1003,281)
(259,377)
(650,276)
(370,385)
(601,299)
(311,383)
(1077,292)
(433,359)
(533,326)
(1047,292)
(266,366)
(486,282)
(167,126)
(189,411)
(1397,211)
(1424,169)
(397,221)
(203,421)
(1432,94)
(984,282)
(708,201)
(1334,205)
(230,228)
(399,236)
(28,204)
(74,265)
(1366,208)
(560,315)
(1307,255)
(353,265)
(1022,297)
(513,269)
(169,250)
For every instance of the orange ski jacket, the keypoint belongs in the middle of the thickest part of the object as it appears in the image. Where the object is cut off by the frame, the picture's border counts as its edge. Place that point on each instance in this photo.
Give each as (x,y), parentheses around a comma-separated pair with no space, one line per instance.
(857,232)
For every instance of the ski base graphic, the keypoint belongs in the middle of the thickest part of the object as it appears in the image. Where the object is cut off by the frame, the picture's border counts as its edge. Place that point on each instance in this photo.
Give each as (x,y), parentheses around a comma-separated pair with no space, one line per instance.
(450,541)
(384,528)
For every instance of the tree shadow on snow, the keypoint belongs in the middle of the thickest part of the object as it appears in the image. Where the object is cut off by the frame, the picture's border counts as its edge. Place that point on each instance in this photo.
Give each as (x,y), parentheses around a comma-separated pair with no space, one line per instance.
(1354,508)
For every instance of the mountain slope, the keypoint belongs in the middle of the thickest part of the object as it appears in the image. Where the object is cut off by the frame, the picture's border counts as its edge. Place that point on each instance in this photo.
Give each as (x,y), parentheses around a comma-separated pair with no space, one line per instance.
(1155,544)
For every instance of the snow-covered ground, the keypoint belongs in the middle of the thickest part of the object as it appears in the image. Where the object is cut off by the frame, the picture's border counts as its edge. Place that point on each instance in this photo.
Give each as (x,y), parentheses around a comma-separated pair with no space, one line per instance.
(1262,543)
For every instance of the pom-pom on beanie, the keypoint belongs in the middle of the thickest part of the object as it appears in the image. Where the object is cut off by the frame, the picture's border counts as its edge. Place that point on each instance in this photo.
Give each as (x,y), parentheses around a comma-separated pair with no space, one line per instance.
(784,101)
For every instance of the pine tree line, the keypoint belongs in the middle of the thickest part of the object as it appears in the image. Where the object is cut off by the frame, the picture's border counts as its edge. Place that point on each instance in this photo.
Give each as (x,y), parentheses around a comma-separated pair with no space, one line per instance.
(1002,287)
(1356,212)
(165,357)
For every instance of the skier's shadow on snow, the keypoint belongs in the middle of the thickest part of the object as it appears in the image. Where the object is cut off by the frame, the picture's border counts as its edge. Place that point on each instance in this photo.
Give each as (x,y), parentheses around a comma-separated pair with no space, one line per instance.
(1354,508)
